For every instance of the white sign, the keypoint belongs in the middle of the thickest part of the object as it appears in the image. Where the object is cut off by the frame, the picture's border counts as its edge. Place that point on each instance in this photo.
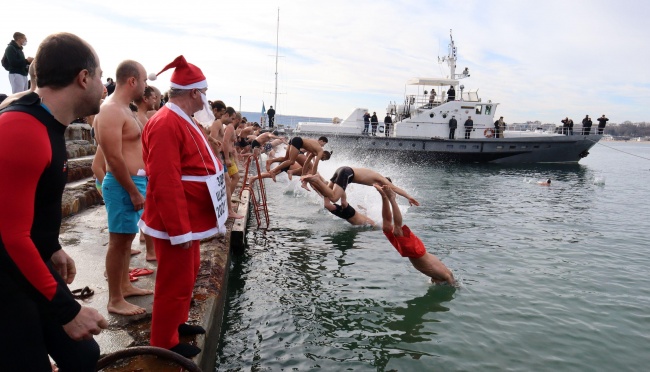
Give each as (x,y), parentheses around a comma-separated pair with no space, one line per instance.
(217,187)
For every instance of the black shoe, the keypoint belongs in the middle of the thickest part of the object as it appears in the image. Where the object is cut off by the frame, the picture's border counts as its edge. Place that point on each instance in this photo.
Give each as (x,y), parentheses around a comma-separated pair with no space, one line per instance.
(190,330)
(186,350)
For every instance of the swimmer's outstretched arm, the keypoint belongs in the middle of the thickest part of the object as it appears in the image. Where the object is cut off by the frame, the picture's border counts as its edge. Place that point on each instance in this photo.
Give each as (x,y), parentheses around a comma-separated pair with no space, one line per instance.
(403,193)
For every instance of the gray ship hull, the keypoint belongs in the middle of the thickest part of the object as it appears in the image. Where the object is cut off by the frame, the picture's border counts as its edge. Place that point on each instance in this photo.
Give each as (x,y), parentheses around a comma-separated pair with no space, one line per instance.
(557,149)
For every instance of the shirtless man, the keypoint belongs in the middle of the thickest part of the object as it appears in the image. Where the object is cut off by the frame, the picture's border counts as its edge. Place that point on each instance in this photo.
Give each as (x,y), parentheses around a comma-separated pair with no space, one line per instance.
(335,188)
(407,243)
(314,147)
(230,119)
(118,133)
(294,168)
(260,141)
(156,105)
(147,103)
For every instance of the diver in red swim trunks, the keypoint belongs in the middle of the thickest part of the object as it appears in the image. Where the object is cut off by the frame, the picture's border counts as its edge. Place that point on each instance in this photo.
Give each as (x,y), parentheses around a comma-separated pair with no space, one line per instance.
(407,243)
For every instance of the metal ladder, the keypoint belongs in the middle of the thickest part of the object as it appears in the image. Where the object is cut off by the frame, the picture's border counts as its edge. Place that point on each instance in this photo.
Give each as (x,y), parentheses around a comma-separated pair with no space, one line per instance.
(257,191)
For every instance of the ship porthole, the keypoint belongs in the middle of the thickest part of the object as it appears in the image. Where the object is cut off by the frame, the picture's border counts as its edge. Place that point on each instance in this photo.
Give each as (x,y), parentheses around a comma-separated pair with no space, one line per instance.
(400,144)
(387,143)
(373,143)
(413,144)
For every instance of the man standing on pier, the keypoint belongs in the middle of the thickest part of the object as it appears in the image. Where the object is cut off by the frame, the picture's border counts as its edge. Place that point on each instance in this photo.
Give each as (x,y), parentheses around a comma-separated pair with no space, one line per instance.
(39,315)
(124,187)
(185,202)
(271,114)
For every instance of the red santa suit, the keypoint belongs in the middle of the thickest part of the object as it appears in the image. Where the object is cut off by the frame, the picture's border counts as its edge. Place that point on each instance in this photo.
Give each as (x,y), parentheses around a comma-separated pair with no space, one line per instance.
(178,209)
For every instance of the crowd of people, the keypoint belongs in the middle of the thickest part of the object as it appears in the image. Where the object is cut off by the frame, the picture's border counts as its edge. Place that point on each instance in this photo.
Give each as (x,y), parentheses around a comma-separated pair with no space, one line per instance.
(167,166)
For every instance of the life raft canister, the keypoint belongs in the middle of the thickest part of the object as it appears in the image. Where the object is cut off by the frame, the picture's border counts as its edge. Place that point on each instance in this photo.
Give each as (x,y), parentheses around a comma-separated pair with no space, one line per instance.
(488,133)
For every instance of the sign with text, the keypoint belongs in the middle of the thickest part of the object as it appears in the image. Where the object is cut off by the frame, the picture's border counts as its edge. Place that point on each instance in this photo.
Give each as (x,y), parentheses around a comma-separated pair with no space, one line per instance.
(217,187)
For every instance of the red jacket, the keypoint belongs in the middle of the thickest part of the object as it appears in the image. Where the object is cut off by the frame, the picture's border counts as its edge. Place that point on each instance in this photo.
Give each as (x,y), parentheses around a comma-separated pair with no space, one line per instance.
(177,160)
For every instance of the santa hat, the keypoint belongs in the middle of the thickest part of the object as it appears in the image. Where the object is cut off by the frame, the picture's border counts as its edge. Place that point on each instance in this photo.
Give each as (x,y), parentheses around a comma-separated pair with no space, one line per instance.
(185,75)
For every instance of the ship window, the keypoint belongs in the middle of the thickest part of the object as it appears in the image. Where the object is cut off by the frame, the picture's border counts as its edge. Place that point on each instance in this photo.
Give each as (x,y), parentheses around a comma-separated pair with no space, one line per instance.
(499,147)
(488,109)
(463,146)
(373,143)
(387,143)
(400,144)
(475,147)
(479,109)
(513,146)
(450,146)
(536,146)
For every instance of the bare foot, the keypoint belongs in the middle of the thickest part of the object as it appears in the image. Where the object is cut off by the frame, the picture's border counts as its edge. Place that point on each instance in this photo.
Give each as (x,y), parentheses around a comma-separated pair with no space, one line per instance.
(268,165)
(124,308)
(131,291)
(134,252)
(151,257)
(141,237)
(290,175)
(234,215)
(272,176)
(305,186)
(308,177)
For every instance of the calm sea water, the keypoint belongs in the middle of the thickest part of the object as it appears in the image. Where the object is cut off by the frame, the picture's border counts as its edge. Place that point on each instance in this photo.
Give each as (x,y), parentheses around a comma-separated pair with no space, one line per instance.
(551,278)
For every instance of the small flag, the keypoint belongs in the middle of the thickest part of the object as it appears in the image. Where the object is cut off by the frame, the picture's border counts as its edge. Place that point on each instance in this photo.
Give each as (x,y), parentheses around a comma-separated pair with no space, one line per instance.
(263,109)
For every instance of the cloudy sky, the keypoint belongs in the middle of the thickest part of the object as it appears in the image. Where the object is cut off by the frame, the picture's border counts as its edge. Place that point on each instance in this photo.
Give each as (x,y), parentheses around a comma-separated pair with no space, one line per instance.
(541,60)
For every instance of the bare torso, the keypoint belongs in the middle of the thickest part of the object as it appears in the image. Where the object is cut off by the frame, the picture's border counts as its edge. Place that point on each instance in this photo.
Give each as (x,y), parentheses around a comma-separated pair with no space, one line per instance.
(119,133)
(216,130)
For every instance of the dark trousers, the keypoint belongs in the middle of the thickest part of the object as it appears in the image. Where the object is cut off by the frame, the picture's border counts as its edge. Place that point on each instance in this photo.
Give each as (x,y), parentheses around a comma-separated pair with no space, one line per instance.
(468,131)
(374,129)
(365,127)
(271,121)
(601,130)
(387,129)
(452,133)
(586,130)
(29,334)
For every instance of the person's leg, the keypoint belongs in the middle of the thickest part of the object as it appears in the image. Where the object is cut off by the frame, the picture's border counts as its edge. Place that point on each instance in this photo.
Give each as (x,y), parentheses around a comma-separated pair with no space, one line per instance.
(69,355)
(22,345)
(118,257)
(173,292)
(151,252)
(333,194)
(292,154)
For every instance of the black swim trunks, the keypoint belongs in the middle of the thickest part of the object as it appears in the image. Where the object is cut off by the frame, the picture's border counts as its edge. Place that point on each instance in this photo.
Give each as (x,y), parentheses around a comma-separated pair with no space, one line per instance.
(343,176)
(268,147)
(255,144)
(296,142)
(344,213)
(285,169)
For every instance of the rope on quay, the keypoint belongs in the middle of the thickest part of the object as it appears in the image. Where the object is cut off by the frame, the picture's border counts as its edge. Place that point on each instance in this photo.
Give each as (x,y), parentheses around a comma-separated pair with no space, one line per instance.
(110,359)
(625,152)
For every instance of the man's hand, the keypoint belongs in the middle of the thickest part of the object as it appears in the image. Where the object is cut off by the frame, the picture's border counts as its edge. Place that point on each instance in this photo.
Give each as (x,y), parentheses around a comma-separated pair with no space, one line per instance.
(412,201)
(185,245)
(138,201)
(30,59)
(64,265)
(86,324)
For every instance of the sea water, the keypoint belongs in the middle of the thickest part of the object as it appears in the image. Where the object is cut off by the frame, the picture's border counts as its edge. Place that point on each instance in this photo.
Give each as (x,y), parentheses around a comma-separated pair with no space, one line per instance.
(550,278)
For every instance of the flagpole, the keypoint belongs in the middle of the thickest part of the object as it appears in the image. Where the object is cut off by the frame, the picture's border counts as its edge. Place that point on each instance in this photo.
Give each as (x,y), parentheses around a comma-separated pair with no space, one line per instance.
(277,40)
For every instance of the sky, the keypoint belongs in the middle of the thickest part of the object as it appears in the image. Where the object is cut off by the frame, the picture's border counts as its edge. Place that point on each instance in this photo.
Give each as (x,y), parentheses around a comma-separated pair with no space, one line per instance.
(540,60)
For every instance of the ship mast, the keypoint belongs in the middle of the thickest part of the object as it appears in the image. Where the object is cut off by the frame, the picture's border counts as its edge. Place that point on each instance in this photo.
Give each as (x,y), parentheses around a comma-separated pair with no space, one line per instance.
(277,39)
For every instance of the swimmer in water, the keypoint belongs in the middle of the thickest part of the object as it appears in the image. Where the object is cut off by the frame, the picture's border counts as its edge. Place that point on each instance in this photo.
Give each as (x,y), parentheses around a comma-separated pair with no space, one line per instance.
(347,212)
(407,243)
(545,183)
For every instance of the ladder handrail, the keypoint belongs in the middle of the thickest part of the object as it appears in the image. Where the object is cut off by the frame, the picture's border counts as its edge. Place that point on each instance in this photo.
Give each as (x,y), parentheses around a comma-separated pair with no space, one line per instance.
(257,191)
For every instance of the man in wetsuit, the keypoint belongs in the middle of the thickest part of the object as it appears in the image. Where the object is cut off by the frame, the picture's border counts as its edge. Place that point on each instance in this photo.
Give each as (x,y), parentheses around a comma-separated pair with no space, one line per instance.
(407,243)
(335,189)
(39,315)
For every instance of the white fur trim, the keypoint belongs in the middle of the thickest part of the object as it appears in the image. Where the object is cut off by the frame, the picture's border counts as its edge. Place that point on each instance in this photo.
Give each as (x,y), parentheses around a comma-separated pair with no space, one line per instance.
(175,240)
(199,85)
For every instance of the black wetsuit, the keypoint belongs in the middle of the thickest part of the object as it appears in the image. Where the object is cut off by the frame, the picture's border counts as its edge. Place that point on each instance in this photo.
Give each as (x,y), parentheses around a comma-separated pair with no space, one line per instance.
(343,176)
(36,300)
(344,213)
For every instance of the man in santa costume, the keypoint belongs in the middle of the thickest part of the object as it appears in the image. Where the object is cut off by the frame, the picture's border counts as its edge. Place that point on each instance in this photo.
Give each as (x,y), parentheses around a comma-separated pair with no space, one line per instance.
(183,200)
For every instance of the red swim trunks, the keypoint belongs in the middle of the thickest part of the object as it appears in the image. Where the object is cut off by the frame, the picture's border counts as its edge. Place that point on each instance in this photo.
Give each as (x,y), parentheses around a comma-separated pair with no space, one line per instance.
(408,245)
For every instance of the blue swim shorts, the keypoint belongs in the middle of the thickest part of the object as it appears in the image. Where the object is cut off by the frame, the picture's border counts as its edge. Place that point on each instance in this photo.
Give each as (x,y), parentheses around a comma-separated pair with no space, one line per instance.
(122,218)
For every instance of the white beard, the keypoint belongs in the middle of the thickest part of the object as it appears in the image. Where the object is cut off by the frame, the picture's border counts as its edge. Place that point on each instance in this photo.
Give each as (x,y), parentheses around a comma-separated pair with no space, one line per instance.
(205,116)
